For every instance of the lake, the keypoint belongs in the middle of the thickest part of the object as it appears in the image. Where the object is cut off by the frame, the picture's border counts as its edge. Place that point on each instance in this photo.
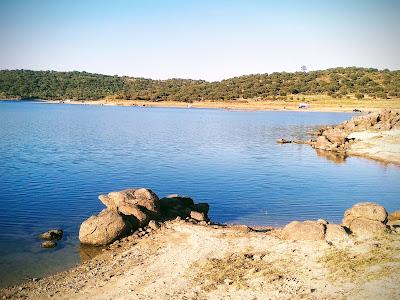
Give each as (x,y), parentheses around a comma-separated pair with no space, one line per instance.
(56,159)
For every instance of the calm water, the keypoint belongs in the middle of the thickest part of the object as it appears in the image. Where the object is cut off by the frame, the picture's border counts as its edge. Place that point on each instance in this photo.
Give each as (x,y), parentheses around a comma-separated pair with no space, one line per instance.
(56,159)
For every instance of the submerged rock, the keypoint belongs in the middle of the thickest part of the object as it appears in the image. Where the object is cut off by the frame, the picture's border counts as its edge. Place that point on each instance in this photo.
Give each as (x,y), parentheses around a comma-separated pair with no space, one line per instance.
(49,244)
(102,229)
(283,141)
(52,234)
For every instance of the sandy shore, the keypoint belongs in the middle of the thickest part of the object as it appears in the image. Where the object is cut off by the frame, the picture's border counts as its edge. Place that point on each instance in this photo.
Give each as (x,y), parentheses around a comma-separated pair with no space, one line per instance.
(316,104)
(187,261)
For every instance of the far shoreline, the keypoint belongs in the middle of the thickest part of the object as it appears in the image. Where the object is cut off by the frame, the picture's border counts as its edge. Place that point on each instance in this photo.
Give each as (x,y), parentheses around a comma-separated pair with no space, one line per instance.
(249,105)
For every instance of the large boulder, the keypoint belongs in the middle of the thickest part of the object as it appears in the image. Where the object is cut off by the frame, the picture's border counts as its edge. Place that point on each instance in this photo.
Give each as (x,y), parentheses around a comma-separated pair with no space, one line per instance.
(366,219)
(140,203)
(102,229)
(306,231)
(366,228)
(367,210)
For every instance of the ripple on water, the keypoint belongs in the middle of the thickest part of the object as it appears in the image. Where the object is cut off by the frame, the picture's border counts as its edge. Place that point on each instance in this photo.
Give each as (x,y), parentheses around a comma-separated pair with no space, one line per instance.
(56,159)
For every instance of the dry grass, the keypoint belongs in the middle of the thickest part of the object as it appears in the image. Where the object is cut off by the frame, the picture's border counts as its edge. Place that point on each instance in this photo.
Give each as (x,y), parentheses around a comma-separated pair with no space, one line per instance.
(239,270)
(380,261)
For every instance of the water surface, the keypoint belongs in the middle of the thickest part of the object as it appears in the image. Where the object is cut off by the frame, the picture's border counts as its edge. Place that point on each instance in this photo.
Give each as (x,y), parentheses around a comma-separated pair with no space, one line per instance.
(56,159)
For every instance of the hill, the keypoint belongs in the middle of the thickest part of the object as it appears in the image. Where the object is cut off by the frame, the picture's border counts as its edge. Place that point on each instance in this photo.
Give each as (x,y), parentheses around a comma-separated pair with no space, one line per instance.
(336,83)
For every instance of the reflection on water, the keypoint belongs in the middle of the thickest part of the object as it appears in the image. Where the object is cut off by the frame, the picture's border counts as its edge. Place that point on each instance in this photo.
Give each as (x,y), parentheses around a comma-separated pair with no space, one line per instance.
(56,159)
(336,157)
(88,252)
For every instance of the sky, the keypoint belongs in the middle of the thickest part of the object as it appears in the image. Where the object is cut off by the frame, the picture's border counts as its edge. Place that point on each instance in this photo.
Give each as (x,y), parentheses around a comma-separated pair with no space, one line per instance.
(204,39)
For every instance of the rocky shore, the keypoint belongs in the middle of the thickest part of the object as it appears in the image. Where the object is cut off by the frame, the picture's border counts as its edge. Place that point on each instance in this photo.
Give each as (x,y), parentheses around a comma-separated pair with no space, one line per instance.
(375,136)
(168,249)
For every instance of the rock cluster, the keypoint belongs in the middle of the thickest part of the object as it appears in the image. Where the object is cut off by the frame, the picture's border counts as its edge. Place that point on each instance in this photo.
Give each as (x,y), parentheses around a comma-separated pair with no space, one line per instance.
(132,209)
(50,237)
(364,220)
(336,138)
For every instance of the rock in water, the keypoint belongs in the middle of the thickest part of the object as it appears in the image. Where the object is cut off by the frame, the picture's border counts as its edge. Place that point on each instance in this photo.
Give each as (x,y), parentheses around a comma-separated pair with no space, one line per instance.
(283,141)
(49,244)
(52,234)
(102,229)
(304,231)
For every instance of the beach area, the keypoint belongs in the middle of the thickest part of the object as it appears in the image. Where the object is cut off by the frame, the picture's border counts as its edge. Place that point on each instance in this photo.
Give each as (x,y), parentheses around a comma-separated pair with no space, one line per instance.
(186,259)
(321,103)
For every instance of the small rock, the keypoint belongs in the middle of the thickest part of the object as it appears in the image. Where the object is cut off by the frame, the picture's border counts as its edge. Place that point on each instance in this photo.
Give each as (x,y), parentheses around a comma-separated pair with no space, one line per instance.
(49,244)
(283,141)
(228,281)
(335,232)
(198,216)
(52,234)
(154,225)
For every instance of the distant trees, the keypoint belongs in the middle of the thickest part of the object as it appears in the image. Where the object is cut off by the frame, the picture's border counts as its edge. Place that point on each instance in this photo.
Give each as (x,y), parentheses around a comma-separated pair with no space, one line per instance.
(337,82)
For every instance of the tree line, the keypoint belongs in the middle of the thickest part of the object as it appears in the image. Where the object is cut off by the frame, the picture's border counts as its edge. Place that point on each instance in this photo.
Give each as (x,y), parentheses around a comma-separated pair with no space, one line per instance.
(335,82)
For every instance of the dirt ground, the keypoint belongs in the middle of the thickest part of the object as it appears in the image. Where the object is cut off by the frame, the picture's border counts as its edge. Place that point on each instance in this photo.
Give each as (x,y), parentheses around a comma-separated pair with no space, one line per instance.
(187,261)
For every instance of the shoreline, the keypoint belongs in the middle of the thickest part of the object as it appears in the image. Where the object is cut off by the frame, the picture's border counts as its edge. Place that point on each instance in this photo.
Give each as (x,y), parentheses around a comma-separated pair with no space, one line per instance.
(249,105)
(185,260)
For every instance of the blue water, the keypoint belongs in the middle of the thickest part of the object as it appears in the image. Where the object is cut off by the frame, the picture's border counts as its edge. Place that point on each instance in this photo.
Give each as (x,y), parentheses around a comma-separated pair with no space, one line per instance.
(56,159)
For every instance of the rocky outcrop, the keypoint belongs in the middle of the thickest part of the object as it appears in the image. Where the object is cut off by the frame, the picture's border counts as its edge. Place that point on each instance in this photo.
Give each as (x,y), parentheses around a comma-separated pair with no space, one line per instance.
(337,138)
(363,220)
(139,203)
(366,219)
(102,229)
(132,209)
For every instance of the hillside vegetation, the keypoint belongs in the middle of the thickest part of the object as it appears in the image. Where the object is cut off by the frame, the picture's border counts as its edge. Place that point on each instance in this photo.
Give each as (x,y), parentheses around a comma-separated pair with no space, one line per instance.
(336,83)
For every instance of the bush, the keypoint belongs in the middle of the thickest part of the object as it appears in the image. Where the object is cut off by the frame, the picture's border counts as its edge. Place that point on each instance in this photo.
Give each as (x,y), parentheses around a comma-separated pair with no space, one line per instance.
(359,96)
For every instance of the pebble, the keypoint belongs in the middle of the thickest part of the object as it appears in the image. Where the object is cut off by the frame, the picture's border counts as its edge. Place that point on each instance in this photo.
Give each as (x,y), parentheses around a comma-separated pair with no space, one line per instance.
(228,281)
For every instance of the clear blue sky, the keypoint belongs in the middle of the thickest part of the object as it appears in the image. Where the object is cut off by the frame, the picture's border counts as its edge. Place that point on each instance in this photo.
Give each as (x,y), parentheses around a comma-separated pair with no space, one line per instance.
(207,39)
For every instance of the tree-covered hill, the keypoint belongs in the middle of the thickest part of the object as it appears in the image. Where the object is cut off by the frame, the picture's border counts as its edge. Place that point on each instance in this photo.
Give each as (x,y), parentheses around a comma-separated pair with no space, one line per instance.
(337,82)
